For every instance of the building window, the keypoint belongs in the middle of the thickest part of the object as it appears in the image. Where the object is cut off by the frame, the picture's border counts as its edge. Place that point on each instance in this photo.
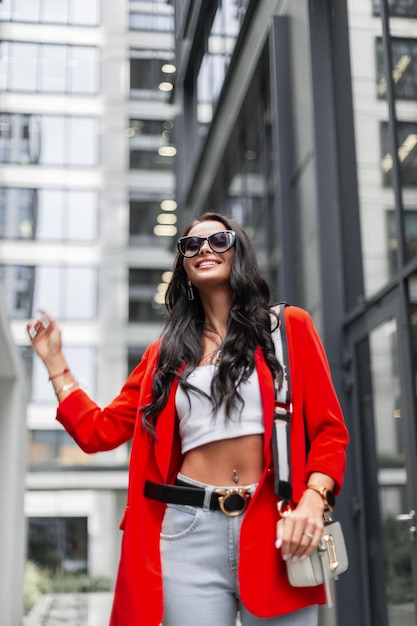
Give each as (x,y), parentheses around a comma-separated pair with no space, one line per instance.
(410,224)
(151,74)
(407,141)
(210,80)
(55,449)
(48,140)
(158,16)
(150,144)
(48,214)
(59,544)
(134,357)
(65,292)
(227,20)
(143,305)
(148,216)
(82,362)
(404,60)
(397,8)
(48,68)
(73,12)
(216,59)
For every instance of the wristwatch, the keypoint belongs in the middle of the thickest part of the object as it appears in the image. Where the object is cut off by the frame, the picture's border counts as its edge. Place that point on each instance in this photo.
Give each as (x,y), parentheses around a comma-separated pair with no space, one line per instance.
(328,498)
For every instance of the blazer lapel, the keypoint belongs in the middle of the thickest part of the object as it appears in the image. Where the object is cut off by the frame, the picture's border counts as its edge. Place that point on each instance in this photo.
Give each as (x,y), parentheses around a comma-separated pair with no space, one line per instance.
(165,433)
(266,386)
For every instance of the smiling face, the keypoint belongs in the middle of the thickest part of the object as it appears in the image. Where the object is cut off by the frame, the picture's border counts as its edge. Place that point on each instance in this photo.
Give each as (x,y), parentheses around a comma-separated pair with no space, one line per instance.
(209,269)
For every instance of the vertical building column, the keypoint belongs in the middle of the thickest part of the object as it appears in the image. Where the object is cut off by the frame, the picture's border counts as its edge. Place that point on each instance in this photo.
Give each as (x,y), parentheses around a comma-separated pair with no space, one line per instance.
(12,473)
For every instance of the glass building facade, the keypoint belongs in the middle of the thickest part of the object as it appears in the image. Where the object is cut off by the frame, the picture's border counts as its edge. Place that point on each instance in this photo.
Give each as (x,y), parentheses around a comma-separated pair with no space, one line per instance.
(300,122)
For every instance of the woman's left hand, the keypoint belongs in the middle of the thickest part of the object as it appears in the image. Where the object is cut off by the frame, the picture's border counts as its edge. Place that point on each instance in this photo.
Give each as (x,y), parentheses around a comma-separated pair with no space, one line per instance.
(299,533)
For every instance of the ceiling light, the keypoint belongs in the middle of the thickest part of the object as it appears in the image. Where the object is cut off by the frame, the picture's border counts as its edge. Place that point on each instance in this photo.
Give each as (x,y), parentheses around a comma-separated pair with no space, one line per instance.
(168,205)
(168,68)
(167,218)
(167,151)
(165,230)
(165,86)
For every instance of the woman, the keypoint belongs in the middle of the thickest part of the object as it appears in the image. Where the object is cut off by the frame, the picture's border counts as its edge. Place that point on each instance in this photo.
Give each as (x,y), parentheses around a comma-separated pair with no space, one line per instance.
(199,411)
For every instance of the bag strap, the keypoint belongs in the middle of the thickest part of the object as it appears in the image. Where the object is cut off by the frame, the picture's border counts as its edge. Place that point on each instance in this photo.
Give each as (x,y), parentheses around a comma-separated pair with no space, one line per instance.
(282,411)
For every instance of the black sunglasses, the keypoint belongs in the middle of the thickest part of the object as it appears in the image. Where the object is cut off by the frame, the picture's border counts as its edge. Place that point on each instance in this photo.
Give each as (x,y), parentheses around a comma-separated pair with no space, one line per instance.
(219,242)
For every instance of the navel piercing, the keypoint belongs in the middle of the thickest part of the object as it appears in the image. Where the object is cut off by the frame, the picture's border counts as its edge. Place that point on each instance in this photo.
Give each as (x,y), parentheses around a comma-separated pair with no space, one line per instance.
(235,477)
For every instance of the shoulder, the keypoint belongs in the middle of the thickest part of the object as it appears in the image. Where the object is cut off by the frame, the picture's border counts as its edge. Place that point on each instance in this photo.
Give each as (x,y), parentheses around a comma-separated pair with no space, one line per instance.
(292,313)
(295,313)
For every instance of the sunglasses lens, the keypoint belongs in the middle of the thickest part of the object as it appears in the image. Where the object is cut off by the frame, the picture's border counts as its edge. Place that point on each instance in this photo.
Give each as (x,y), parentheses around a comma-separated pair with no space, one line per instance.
(222,241)
(189,246)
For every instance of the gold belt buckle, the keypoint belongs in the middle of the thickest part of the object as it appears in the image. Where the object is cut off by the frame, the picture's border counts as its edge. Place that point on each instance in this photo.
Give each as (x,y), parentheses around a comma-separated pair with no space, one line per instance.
(226,494)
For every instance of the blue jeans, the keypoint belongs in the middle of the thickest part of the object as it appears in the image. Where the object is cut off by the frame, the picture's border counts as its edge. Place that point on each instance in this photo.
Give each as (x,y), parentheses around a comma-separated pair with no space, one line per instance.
(199,552)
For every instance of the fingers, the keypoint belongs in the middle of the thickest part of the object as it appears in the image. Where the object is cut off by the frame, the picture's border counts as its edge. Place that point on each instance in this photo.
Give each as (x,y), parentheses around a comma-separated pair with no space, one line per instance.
(39,324)
(298,536)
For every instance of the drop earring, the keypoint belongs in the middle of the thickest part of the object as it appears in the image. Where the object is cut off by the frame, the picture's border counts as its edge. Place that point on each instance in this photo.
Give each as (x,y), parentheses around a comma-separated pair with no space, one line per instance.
(190,290)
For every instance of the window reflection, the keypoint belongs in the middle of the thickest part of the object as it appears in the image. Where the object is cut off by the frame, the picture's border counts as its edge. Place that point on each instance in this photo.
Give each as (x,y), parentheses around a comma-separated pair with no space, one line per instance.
(398,8)
(142,289)
(209,83)
(150,144)
(407,152)
(410,224)
(158,16)
(404,62)
(145,213)
(147,75)
(219,49)
(48,139)
(66,292)
(76,12)
(49,68)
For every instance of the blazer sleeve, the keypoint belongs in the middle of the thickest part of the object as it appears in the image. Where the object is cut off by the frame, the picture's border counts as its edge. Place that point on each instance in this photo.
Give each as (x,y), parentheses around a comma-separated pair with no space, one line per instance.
(97,430)
(324,425)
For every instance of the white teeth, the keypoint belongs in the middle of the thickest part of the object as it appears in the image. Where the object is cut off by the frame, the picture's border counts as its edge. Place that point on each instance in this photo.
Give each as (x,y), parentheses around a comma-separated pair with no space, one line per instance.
(206,264)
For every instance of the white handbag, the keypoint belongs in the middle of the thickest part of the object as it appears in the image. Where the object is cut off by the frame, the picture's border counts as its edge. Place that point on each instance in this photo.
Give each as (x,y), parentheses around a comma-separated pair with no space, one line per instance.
(324,564)
(330,558)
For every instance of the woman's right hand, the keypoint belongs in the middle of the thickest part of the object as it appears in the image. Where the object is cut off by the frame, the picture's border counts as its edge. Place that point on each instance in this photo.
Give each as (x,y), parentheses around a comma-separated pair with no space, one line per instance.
(45,337)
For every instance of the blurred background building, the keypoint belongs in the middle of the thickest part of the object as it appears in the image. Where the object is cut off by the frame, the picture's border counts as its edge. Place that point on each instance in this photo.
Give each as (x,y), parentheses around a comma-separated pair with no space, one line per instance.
(87,208)
(121,120)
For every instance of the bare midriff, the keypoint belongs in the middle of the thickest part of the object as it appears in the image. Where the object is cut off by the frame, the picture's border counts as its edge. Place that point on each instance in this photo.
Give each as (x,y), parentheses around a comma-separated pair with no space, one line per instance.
(217,463)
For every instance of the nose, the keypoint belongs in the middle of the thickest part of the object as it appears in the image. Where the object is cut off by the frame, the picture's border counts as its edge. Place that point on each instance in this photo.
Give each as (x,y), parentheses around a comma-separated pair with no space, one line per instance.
(205,244)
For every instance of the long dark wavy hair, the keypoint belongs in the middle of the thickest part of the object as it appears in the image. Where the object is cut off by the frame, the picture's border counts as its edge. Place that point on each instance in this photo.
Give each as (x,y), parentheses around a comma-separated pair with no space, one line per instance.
(249,326)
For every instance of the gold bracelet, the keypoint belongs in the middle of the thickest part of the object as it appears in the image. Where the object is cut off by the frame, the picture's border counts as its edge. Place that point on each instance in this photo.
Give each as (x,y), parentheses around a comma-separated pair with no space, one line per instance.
(66,387)
(326,495)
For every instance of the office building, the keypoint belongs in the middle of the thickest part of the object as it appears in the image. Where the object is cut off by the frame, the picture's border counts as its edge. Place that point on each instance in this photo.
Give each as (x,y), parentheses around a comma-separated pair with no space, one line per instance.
(87,213)
(291,122)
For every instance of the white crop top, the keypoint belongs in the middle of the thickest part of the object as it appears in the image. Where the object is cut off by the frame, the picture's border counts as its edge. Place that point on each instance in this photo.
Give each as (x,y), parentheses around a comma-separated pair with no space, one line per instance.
(199,425)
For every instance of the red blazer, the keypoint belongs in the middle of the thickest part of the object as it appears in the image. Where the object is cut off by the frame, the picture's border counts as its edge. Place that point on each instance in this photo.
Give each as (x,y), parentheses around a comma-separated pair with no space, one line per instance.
(264,586)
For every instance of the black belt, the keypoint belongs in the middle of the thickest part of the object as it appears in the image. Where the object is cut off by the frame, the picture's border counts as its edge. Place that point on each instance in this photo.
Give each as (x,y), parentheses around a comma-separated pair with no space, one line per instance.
(232,501)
